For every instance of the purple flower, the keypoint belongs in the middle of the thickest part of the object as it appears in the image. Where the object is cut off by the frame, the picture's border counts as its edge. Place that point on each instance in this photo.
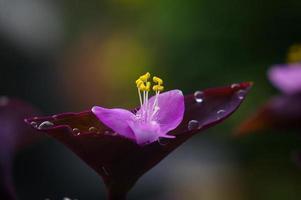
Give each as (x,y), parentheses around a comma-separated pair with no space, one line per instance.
(121,145)
(13,136)
(155,118)
(287,78)
(152,121)
(283,111)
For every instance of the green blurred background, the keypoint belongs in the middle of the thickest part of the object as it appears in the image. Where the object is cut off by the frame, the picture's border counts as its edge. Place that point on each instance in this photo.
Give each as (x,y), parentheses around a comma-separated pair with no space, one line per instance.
(70,55)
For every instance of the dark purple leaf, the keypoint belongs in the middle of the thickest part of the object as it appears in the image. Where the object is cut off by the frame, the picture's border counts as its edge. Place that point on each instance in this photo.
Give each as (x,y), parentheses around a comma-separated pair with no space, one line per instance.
(120,161)
(280,112)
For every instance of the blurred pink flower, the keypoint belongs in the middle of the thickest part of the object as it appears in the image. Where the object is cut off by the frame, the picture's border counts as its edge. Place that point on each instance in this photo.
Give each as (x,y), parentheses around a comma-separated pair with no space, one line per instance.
(283,111)
(287,78)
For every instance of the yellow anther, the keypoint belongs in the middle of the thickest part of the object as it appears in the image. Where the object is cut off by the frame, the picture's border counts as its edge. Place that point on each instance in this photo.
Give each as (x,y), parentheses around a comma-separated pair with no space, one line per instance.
(145,77)
(294,53)
(139,82)
(158,80)
(144,87)
(140,85)
(158,88)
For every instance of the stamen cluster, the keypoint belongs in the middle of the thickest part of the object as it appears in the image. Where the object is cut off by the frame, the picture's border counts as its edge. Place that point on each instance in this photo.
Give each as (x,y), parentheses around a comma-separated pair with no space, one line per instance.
(144,87)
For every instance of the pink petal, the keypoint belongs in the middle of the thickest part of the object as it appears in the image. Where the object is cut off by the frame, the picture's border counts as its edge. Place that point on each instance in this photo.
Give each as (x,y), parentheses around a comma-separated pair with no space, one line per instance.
(145,133)
(117,119)
(171,112)
(287,78)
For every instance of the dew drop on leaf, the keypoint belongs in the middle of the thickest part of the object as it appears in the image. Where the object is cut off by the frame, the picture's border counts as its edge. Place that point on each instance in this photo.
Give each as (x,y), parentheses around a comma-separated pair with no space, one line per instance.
(93,129)
(45,124)
(220,113)
(34,124)
(199,96)
(235,85)
(76,131)
(193,125)
(241,94)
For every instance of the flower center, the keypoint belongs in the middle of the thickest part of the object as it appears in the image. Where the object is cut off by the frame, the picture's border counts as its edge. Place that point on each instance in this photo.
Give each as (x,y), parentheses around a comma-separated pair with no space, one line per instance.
(148,111)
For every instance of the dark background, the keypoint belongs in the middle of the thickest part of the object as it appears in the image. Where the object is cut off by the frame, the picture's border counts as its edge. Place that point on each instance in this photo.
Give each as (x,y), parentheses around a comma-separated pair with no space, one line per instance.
(70,55)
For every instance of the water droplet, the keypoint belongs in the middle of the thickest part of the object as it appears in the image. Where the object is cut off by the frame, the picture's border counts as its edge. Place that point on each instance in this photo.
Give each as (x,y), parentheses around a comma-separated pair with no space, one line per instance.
(220,113)
(76,131)
(54,116)
(235,85)
(193,125)
(110,133)
(241,94)
(93,129)
(4,100)
(105,171)
(199,96)
(34,124)
(45,124)
(66,198)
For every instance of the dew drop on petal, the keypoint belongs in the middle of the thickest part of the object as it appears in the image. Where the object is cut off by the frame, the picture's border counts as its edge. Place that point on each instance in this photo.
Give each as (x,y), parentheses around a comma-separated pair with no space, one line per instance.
(76,131)
(199,96)
(193,125)
(45,124)
(241,94)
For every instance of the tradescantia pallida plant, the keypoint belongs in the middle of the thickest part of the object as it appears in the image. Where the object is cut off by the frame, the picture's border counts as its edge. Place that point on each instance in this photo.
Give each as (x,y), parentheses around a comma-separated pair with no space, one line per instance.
(121,145)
